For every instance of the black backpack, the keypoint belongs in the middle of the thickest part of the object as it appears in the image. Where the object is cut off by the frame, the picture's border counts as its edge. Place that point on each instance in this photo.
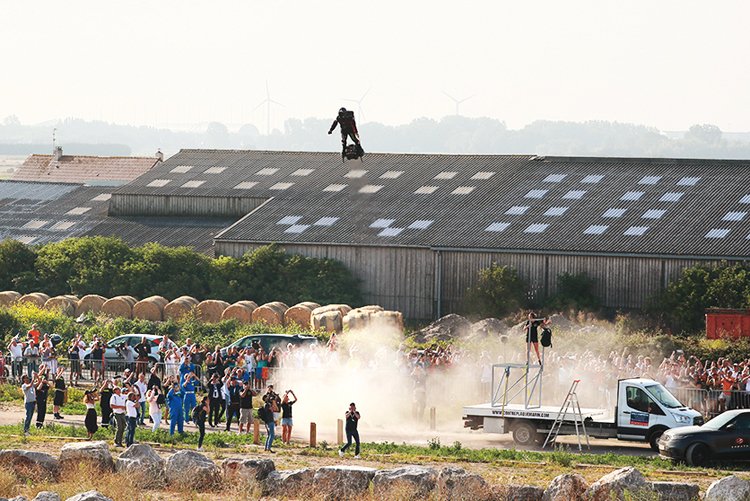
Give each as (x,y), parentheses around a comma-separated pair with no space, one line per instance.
(160,400)
(262,414)
(546,337)
(195,413)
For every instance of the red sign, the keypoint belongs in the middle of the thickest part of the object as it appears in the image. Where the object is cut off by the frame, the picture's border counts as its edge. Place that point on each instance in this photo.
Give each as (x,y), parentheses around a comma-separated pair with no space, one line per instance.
(740,441)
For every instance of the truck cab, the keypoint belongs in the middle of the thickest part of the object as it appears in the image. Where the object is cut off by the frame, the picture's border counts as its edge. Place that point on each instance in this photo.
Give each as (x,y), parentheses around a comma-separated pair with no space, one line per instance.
(646,409)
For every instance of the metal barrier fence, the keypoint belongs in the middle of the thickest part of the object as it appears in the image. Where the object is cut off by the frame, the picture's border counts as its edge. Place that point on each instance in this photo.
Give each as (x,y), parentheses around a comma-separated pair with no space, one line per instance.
(712,402)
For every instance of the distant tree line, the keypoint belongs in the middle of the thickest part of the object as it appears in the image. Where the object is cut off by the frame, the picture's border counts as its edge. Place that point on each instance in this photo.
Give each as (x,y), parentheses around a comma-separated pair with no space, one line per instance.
(452,134)
(108,266)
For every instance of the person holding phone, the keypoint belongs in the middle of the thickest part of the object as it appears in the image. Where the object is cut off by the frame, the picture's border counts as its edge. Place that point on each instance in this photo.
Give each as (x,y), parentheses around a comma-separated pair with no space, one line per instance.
(352,419)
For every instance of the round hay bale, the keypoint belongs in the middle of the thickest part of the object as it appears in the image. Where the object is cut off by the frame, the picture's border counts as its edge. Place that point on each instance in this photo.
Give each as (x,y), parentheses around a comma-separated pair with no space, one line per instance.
(36,298)
(119,306)
(341,308)
(210,310)
(329,321)
(271,313)
(65,304)
(7,298)
(179,307)
(90,303)
(300,314)
(356,319)
(242,311)
(390,319)
(151,308)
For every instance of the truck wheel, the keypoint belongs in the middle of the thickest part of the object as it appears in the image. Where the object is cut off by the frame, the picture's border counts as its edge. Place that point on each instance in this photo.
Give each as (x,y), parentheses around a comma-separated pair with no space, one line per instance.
(524,434)
(697,455)
(653,439)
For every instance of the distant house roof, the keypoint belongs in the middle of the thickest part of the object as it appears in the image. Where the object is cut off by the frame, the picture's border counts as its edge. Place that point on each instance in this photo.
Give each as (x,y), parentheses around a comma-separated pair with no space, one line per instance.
(83,169)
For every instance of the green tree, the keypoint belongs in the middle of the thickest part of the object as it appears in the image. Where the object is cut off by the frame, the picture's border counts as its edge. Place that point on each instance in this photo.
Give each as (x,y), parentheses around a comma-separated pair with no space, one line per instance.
(575,292)
(17,266)
(498,292)
(87,265)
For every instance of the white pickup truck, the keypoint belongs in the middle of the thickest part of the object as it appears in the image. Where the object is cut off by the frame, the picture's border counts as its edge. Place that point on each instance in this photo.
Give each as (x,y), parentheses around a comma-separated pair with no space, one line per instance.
(644,410)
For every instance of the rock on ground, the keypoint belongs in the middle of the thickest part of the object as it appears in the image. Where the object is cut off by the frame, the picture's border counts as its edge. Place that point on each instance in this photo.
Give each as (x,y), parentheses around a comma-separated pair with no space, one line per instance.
(30,464)
(489,327)
(567,487)
(142,465)
(456,484)
(190,468)
(729,488)
(342,482)
(94,453)
(613,486)
(247,469)
(518,492)
(89,496)
(413,482)
(444,329)
(675,491)
(46,496)
(288,482)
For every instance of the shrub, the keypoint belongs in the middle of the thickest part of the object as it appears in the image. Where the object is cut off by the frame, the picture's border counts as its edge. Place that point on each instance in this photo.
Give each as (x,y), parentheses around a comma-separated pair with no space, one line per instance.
(17,266)
(498,292)
(575,292)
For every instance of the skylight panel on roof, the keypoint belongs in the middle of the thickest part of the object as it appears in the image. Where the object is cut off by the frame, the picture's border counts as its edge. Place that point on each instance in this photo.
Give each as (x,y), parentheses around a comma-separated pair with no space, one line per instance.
(653,214)
(158,183)
(420,224)
(326,221)
(426,190)
(334,187)
(613,213)
(355,174)
(497,227)
(267,171)
(302,172)
(717,233)
(371,188)
(390,232)
(34,224)
(688,181)
(289,220)
(535,194)
(734,216)
(382,223)
(281,186)
(62,225)
(77,211)
(102,198)
(517,210)
(193,184)
(391,174)
(745,199)
(556,211)
(595,229)
(574,194)
(635,231)
(215,170)
(671,196)
(649,180)
(632,196)
(536,228)
(25,239)
(592,179)
(297,228)
(246,185)
(181,169)
(482,175)
(463,190)
(448,174)
(554,178)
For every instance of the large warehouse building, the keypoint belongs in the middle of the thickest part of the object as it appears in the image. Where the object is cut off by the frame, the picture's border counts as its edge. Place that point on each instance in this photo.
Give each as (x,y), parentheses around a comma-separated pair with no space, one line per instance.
(418,228)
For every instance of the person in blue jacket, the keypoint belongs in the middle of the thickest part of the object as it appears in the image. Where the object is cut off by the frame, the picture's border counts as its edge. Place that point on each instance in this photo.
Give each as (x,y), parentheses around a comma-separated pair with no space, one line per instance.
(186,367)
(188,390)
(174,401)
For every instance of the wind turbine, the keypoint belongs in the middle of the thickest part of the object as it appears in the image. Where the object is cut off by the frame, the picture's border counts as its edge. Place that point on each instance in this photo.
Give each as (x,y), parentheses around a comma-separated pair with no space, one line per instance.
(268,102)
(359,104)
(457,101)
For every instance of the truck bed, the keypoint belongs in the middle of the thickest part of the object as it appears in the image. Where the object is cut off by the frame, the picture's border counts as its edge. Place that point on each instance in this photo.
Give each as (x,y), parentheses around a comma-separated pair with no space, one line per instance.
(545,412)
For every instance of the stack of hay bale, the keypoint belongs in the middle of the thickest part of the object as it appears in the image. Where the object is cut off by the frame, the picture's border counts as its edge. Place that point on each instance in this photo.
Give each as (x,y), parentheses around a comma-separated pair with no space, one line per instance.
(373,317)
(179,307)
(271,313)
(151,308)
(242,311)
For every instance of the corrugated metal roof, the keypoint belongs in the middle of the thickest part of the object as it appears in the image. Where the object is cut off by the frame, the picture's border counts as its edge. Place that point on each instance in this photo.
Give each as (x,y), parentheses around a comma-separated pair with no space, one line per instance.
(529,203)
(82,169)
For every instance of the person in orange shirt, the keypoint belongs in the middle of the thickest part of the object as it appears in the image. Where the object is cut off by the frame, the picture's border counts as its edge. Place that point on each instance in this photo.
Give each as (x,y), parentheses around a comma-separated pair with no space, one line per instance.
(34,334)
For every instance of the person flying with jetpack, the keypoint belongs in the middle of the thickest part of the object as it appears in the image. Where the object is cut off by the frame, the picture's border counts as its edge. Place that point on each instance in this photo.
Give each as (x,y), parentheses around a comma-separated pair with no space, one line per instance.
(345,119)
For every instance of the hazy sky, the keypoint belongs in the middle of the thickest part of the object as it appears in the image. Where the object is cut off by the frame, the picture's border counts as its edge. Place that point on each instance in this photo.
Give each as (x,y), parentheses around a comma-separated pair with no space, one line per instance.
(668,64)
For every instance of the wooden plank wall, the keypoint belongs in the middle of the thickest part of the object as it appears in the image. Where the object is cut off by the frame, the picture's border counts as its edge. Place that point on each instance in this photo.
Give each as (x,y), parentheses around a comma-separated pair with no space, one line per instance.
(127,204)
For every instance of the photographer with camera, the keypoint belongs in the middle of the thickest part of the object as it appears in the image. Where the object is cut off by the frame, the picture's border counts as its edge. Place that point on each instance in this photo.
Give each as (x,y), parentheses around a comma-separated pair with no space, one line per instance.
(117,402)
(352,419)
(246,406)
(89,398)
(232,390)
(215,400)
(155,399)
(189,385)
(286,416)
(131,410)
(175,403)
(28,386)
